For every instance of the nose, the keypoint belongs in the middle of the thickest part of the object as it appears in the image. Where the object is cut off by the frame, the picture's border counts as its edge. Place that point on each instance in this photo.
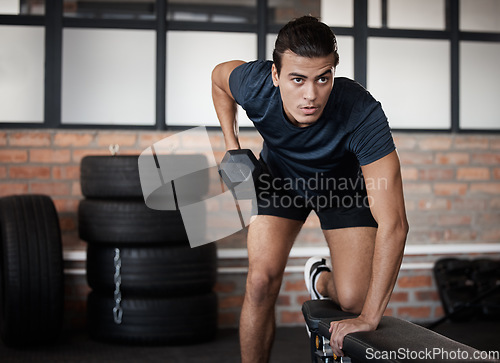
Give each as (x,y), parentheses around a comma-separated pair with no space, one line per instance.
(309,91)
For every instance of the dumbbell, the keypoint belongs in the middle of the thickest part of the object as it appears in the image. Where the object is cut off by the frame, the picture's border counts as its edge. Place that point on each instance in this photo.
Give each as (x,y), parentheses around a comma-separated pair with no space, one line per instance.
(237,169)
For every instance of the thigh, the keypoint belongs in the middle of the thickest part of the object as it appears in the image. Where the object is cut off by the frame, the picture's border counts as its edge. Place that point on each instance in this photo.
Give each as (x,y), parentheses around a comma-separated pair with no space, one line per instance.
(269,242)
(351,252)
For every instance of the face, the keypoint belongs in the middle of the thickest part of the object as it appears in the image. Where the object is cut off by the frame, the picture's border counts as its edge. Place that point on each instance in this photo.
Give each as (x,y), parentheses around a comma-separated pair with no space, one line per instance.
(305,85)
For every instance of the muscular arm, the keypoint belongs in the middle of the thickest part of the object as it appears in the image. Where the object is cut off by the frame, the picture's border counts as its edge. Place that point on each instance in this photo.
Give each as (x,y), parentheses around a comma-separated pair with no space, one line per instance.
(385,193)
(224,103)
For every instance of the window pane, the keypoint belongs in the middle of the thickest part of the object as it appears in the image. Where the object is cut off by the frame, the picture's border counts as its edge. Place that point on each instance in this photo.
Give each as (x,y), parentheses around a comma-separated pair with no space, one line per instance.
(191,56)
(480,15)
(22,7)
(108,76)
(416,14)
(22,59)
(479,92)
(408,14)
(337,12)
(375,13)
(217,11)
(411,78)
(282,11)
(110,9)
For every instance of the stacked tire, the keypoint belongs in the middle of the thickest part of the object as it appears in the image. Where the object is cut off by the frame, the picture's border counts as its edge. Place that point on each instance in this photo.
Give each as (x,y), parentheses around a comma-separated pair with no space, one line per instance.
(148,285)
(31,271)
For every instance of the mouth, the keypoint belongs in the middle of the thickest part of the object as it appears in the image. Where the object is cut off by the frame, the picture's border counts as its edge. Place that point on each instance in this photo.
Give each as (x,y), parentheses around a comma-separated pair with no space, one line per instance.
(309,110)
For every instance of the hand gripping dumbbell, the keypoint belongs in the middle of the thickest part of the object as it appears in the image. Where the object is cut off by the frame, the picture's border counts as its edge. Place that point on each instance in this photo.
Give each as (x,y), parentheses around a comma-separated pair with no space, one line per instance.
(240,171)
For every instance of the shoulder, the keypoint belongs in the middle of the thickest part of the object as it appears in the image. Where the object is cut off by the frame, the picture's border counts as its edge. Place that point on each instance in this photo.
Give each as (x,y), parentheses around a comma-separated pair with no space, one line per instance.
(251,80)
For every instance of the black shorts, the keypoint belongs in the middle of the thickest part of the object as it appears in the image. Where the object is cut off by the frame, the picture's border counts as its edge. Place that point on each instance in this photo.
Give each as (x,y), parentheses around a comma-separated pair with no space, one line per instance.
(349,209)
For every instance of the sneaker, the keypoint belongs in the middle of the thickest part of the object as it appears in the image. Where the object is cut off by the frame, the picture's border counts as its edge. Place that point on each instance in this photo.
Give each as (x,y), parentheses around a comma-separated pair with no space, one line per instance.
(314,267)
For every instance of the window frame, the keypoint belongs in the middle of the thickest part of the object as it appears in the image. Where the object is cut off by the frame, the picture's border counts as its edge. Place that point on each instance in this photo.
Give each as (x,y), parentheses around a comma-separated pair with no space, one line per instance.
(54,23)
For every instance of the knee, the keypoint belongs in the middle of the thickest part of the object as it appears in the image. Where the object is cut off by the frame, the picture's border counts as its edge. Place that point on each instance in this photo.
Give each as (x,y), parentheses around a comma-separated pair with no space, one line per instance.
(351,301)
(263,286)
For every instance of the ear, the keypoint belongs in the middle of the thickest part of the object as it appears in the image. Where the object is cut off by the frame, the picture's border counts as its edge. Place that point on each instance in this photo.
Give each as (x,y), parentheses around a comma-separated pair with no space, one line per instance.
(274,73)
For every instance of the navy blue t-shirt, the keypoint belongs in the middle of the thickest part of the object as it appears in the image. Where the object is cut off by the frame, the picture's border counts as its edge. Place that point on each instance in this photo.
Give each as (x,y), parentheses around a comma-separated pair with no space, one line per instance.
(352,131)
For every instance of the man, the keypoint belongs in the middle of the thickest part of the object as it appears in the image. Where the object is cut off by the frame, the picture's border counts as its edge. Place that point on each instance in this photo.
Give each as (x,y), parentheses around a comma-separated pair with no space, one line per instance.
(327,148)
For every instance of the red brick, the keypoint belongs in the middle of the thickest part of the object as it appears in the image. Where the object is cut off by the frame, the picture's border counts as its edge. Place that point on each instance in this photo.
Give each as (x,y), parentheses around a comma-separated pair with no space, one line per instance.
(13,188)
(230,302)
(417,188)
(452,158)
(3,138)
(227,319)
(76,189)
(494,203)
(487,158)
(66,172)
(443,189)
(283,300)
(473,174)
(454,220)
(491,235)
(67,223)
(436,174)
(463,234)
(469,204)
(427,295)
(3,172)
(49,156)
(299,285)
(471,142)
(66,205)
(13,156)
(435,143)
(496,173)
(51,188)
(404,142)
(29,139)
(434,204)
(488,188)
(65,139)
(409,173)
(79,154)
(301,299)
(415,158)
(29,172)
(438,312)
(225,287)
(149,139)
(495,144)
(388,312)
(409,312)
(399,297)
(291,317)
(415,281)
(119,138)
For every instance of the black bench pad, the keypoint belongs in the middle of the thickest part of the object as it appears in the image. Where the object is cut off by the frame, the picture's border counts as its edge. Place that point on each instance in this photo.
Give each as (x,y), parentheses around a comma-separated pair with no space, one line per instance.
(395,340)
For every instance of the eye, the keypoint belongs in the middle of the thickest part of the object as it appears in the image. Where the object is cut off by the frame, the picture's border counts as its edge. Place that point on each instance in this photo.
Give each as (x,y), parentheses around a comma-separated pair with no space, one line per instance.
(323,80)
(297,80)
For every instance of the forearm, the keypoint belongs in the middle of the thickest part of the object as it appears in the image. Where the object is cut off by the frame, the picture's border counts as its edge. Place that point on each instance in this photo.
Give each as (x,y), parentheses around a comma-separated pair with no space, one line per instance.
(225,107)
(224,103)
(388,254)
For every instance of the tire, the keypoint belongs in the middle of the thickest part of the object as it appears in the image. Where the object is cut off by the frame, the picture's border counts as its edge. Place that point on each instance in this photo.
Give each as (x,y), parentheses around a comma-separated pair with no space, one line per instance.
(128,222)
(110,177)
(154,271)
(31,292)
(181,320)
(118,176)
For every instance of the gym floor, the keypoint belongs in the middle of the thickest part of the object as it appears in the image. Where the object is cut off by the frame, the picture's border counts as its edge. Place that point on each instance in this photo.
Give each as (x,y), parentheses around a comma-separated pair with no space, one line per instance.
(291,345)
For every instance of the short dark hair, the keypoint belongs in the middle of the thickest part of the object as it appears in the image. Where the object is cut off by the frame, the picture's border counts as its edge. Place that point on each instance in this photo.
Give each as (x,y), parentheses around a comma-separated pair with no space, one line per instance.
(307,37)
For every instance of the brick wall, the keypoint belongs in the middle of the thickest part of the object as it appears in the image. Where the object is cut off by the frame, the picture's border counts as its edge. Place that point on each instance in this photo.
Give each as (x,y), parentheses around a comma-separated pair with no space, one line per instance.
(451,185)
